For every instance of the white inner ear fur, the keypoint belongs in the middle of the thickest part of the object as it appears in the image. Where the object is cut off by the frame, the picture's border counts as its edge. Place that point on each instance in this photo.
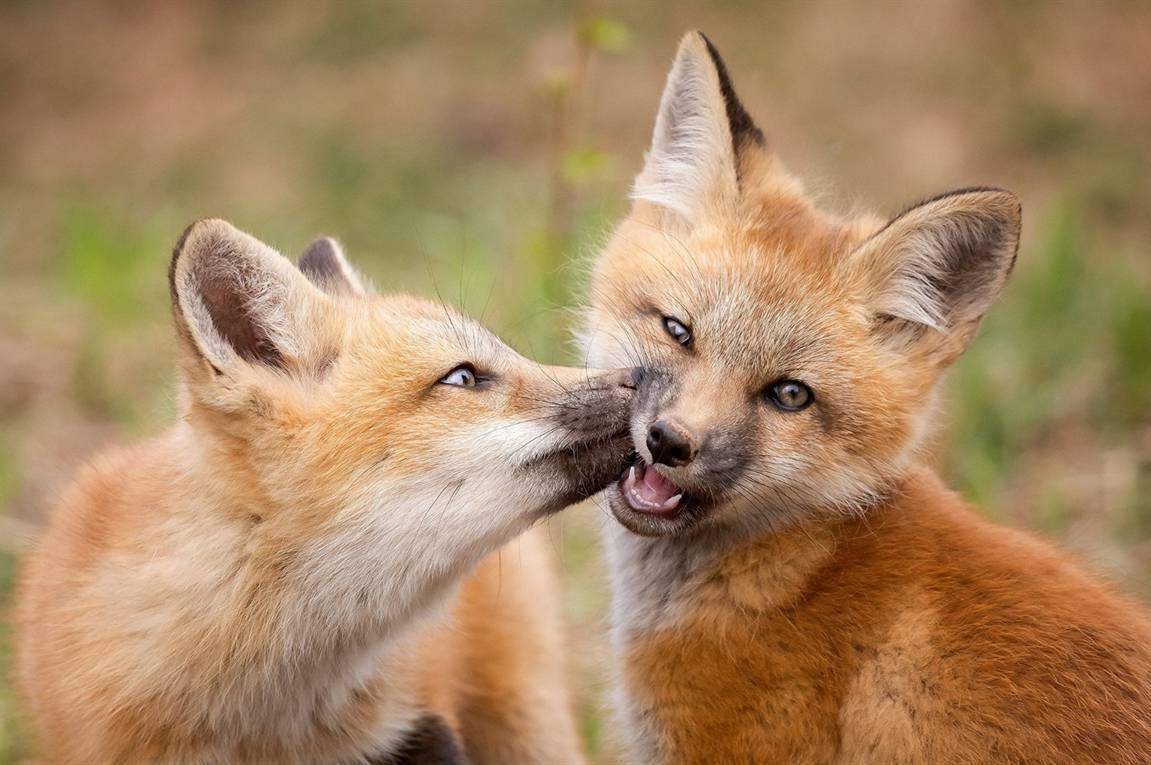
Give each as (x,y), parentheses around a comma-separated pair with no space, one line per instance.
(966,241)
(353,277)
(691,160)
(908,291)
(268,287)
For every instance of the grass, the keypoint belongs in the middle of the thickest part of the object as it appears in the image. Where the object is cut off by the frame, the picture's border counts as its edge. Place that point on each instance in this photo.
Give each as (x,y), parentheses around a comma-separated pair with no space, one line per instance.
(1058,388)
(432,152)
(1070,343)
(10,739)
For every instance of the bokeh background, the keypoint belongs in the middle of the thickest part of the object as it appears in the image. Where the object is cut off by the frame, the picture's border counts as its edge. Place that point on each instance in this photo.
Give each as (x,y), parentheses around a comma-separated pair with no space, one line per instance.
(482,150)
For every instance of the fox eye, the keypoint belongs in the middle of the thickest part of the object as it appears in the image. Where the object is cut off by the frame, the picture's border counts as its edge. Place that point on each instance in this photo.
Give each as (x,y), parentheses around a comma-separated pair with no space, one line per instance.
(790,395)
(463,376)
(677,330)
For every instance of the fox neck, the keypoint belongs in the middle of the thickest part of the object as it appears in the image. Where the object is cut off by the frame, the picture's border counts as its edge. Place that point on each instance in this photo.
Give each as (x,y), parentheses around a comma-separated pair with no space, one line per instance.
(361,565)
(657,580)
(311,602)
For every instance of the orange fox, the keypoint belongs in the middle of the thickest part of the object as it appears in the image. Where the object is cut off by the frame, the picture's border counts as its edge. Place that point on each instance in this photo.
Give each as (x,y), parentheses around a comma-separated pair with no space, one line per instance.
(289,574)
(791,583)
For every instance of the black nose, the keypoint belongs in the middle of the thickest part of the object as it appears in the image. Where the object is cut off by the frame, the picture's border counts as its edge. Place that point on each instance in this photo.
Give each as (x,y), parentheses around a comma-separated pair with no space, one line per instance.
(669,444)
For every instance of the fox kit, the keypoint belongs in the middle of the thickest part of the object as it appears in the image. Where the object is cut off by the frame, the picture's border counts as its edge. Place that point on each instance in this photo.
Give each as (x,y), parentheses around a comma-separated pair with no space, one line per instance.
(791,584)
(277,578)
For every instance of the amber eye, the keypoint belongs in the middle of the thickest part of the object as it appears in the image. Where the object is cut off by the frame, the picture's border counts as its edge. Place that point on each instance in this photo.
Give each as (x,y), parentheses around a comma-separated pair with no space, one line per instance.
(790,395)
(463,376)
(677,330)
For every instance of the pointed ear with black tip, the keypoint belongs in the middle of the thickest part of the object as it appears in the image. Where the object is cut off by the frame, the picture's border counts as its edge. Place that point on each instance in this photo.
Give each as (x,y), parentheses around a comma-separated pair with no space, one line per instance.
(326,267)
(934,270)
(239,304)
(700,131)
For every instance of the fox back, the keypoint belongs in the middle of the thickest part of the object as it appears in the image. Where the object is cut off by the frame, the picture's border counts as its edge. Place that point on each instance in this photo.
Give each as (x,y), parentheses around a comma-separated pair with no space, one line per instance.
(791,584)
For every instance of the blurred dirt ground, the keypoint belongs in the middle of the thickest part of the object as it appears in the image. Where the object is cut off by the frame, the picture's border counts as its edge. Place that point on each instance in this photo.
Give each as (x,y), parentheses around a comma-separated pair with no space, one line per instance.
(480,150)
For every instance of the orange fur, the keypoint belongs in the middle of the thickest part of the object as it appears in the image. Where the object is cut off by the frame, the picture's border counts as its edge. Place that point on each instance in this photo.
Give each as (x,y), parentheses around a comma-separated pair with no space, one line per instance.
(918,635)
(817,596)
(308,564)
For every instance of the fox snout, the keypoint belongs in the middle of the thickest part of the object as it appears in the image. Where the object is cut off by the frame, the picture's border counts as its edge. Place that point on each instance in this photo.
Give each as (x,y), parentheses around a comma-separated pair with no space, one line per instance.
(691,446)
(596,405)
(680,423)
(593,411)
(671,443)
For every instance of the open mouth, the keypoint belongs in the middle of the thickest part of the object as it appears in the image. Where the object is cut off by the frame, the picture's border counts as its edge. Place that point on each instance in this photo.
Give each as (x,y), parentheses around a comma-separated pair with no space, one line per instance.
(647,491)
(647,502)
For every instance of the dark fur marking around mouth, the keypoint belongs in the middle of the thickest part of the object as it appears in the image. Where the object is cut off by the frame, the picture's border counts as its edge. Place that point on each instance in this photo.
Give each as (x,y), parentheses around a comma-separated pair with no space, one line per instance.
(595,417)
(430,742)
(598,408)
(725,450)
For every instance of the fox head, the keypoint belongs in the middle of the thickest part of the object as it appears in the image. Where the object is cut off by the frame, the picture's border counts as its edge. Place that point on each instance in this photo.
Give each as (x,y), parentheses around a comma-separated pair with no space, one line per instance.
(323,412)
(788,356)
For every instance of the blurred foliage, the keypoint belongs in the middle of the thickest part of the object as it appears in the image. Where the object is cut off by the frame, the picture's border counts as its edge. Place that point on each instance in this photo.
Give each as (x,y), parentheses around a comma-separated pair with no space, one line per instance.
(1070,343)
(10,747)
(481,151)
(606,34)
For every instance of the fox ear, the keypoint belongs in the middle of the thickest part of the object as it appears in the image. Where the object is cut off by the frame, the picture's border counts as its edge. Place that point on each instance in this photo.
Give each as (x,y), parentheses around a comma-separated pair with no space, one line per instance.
(326,267)
(934,270)
(700,130)
(238,302)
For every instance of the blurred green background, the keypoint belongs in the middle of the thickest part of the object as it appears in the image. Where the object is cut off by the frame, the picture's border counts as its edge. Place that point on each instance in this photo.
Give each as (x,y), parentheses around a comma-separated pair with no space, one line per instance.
(484,149)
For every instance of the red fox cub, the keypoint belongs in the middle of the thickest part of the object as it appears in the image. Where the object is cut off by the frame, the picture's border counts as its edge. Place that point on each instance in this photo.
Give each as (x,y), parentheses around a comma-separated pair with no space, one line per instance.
(791,584)
(277,578)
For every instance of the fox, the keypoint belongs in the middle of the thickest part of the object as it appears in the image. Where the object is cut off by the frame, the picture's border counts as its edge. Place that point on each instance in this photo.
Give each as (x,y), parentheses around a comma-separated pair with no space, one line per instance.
(792,582)
(315,564)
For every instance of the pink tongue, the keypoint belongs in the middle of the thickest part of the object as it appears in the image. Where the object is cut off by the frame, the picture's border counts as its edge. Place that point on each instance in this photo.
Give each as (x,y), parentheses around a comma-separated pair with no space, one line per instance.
(649,492)
(655,488)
